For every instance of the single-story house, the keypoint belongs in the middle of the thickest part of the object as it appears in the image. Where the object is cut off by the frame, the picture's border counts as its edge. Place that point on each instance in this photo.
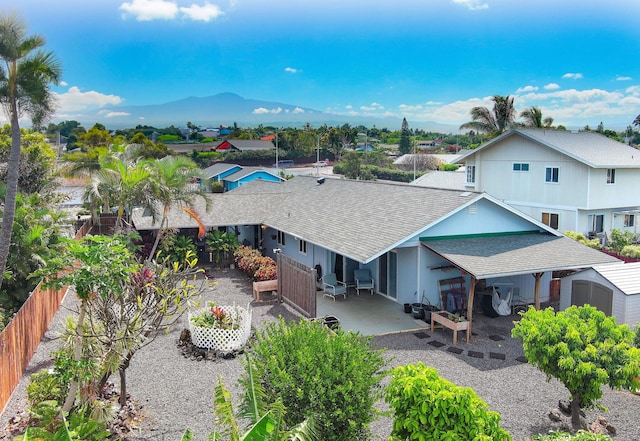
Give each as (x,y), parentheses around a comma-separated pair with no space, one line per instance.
(234,175)
(410,238)
(614,289)
(244,145)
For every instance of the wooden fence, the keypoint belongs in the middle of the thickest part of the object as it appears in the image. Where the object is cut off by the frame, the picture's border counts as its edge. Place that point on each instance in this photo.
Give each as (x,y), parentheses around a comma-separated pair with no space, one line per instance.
(297,285)
(20,339)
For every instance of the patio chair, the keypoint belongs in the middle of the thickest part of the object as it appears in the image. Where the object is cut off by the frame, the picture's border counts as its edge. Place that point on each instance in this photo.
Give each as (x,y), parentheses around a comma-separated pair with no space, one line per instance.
(332,287)
(363,280)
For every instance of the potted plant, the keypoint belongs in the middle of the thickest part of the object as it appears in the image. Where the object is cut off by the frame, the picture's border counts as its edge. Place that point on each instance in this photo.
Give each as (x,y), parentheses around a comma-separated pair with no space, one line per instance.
(224,328)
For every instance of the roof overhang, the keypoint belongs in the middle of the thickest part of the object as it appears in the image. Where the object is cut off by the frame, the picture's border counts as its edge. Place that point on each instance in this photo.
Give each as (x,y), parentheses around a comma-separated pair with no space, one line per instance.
(510,254)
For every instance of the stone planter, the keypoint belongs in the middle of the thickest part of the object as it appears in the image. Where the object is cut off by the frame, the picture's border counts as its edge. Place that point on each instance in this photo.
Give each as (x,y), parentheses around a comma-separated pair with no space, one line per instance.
(224,339)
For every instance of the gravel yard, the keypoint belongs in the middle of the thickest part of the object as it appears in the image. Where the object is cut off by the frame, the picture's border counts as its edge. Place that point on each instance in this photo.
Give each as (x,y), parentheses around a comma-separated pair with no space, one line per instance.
(176,392)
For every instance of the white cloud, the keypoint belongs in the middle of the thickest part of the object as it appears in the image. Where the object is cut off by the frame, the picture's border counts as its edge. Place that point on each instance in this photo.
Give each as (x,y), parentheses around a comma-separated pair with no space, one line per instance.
(206,12)
(298,110)
(263,111)
(116,114)
(292,70)
(74,100)
(527,89)
(147,10)
(623,78)
(410,108)
(348,106)
(552,86)
(372,107)
(572,75)
(63,84)
(473,5)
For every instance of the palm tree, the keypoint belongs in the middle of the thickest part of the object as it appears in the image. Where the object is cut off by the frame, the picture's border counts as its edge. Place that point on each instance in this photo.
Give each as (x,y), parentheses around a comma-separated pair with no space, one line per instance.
(533,118)
(25,77)
(493,122)
(173,181)
(119,184)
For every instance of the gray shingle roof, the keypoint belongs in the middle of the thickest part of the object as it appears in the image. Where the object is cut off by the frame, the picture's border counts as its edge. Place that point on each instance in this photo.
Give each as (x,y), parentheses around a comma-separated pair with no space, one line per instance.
(251,144)
(217,168)
(590,148)
(246,171)
(508,255)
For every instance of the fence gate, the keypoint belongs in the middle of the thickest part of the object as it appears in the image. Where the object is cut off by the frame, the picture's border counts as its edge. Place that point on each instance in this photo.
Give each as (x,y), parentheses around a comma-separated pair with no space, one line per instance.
(297,285)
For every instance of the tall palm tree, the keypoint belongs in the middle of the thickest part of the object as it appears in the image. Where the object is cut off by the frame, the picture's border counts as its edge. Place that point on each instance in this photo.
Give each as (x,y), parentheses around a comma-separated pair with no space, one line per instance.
(173,181)
(493,122)
(26,73)
(533,118)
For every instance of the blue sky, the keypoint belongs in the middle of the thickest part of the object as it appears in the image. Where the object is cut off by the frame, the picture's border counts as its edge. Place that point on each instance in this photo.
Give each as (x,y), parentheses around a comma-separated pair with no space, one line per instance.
(426,60)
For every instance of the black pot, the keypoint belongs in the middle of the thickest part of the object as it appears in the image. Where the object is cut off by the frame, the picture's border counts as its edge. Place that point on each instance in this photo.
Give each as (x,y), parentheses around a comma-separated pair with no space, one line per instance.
(407,308)
(418,311)
(331,322)
(427,310)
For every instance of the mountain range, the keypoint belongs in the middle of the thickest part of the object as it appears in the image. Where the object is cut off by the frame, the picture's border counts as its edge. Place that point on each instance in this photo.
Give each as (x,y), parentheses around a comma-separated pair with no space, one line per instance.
(228,108)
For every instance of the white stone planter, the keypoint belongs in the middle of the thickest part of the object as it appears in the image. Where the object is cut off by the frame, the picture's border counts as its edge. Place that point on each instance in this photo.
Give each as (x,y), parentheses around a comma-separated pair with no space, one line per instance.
(224,339)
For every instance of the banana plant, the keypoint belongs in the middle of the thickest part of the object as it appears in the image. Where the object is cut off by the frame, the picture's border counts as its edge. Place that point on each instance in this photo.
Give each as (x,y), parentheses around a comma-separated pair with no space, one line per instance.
(265,423)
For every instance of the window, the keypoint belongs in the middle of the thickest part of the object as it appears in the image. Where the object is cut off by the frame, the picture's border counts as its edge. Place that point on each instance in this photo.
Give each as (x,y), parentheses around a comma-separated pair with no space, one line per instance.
(281,238)
(550,219)
(611,176)
(596,223)
(521,166)
(629,220)
(551,174)
(302,246)
(471,174)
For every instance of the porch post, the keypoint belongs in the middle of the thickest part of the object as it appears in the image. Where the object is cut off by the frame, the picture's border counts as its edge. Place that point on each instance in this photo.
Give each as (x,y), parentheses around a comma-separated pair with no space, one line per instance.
(536,291)
(472,290)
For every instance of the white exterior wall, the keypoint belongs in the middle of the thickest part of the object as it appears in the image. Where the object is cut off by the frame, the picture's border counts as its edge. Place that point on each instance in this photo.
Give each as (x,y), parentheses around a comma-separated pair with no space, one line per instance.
(581,190)
(495,175)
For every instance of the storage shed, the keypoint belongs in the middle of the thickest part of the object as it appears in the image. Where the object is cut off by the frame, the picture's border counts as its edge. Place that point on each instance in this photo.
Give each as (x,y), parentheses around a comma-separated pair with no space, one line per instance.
(612,288)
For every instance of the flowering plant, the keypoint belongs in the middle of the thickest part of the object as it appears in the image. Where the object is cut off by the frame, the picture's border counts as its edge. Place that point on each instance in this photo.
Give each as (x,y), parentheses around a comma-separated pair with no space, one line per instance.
(215,317)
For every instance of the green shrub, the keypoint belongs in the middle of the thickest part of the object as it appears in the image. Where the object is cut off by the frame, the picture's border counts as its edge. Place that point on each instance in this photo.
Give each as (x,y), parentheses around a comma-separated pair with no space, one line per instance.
(333,378)
(631,251)
(428,407)
(580,435)
(46,386)
(450,167)
(620,239)
(579,237)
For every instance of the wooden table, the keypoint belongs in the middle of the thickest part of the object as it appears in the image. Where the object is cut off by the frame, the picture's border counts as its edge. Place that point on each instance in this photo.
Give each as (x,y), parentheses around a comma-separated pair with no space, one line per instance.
(265,286)
(441,317)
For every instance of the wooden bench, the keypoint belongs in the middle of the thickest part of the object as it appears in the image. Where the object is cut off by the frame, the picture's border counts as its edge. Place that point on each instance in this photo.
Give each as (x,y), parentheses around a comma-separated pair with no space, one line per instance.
(265,286)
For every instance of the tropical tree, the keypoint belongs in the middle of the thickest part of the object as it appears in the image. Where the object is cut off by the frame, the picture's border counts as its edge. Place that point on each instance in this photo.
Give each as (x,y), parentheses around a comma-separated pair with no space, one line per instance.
(26,73)
(266,422)
(174,182)
(405,138)
(533,118)
(119,184)
(583,348)
(493,122)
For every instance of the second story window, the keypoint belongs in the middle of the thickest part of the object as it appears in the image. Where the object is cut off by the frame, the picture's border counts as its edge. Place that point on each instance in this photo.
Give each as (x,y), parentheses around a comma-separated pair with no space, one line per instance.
(611,176)
(471,174)
(302,246)
(629,220)
(521,166)
(551,174)
(281,238)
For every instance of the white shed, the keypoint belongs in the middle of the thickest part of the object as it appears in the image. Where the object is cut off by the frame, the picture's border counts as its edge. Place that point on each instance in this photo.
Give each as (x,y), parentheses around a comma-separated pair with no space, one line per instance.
(612,288)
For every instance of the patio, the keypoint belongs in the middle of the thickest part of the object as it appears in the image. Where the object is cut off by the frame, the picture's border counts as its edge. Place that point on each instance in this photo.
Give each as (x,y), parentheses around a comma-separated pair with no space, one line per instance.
(367,314)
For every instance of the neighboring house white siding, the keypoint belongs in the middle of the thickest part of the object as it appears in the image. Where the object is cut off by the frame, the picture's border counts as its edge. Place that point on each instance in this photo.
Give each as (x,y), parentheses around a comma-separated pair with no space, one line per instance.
(552,184)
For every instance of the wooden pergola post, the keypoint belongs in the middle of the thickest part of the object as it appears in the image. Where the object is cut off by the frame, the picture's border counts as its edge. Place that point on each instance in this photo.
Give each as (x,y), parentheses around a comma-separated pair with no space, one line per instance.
(536,292)
(472,290)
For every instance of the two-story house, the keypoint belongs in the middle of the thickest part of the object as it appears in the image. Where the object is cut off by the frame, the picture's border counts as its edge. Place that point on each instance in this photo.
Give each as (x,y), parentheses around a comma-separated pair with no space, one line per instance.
(571,181)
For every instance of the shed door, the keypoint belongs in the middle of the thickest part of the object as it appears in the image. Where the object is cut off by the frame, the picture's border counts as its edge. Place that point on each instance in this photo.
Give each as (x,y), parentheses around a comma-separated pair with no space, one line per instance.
(592,293)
